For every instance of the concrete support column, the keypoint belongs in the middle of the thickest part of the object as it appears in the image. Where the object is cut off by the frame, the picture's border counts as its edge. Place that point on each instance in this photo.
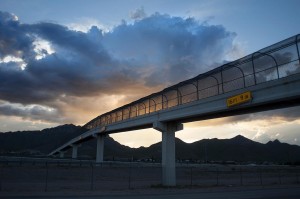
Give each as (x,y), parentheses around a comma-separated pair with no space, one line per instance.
(74,151)
(168,158)
(61,154)
(100,148)
(168,151)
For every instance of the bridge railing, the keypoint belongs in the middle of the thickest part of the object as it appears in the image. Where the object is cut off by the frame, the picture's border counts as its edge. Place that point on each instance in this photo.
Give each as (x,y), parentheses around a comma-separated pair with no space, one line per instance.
(271,63)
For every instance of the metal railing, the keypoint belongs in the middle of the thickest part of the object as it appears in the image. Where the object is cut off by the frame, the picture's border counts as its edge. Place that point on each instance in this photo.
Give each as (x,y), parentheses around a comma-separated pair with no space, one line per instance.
(271,63)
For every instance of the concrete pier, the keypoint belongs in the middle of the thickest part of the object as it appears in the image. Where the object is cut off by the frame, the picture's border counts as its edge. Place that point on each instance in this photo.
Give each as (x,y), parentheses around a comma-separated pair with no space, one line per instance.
(100,148)
(168,151)
(61,154)
(74,151)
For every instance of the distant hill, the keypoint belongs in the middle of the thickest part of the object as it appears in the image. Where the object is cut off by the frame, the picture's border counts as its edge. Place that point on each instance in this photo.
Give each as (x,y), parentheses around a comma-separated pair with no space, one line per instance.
(238,149)
(42,141)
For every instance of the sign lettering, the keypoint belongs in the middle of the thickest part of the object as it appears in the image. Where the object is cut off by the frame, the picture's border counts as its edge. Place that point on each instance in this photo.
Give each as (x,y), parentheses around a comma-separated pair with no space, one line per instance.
(239,99)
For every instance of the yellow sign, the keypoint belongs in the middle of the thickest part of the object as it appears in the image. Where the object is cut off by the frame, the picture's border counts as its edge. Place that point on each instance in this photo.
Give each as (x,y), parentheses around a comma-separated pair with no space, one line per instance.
(239,99)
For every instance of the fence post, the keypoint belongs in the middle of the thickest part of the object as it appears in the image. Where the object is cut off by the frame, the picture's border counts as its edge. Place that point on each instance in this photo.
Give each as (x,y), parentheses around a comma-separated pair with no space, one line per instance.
(46,183)
(260,176)
(191,176)
(129,177)
(1,177)
(253,68)
(92,177)
(241,176)
(222,81)
(297,48)
(279,176)
(217,177)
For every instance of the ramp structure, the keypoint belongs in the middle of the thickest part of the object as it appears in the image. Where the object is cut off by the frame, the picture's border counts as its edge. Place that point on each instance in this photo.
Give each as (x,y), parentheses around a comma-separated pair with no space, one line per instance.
(265,80)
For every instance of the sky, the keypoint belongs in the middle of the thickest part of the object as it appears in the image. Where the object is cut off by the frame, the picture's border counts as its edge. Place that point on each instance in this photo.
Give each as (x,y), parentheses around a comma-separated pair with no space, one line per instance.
(68,61)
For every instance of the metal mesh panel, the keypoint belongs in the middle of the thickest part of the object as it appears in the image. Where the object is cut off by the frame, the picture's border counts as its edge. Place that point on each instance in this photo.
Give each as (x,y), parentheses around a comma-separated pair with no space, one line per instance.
(188,92)
(285,55)
(142,108)
(247,68)
(263,62)
(233,79)
(113,117)
(171,98)
(155,103)
(208,87)
(108,119)
(126,113)
(265,67)
(119,116)
(133,111)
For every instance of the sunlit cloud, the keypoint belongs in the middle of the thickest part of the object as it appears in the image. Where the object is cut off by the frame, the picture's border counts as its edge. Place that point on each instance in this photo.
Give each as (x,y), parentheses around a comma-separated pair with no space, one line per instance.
(14,123)
(138,138)
(84,25)
(281,124)
(16,62)
(42,48)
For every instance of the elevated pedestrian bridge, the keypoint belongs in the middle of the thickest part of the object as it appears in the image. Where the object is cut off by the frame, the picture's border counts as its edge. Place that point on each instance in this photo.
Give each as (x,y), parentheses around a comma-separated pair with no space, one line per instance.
(265,80)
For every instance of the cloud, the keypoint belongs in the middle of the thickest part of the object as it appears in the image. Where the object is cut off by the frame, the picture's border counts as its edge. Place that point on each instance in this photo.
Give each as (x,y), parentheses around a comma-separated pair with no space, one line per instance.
(285,132)
(32,112)
(84,24)
(13,40)
(274,116)
(60,64)
(281,124)
(138,14)
(169,49)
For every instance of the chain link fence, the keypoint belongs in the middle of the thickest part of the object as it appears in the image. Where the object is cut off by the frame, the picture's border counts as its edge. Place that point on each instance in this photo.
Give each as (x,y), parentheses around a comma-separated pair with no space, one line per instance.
(31,176)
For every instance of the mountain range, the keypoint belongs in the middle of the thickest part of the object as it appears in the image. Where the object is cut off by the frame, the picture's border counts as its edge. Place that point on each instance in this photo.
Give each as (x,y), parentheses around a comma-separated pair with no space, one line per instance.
(237,149)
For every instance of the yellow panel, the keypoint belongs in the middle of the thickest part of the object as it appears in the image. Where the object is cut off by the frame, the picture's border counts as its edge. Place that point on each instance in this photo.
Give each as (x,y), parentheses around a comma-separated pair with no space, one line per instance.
(239,99)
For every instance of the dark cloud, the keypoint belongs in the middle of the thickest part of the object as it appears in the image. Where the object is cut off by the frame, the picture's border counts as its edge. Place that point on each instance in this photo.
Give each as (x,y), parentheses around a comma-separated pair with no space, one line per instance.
(86,45)
(152,52)
(171,48)
(13,39)
(34,112)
